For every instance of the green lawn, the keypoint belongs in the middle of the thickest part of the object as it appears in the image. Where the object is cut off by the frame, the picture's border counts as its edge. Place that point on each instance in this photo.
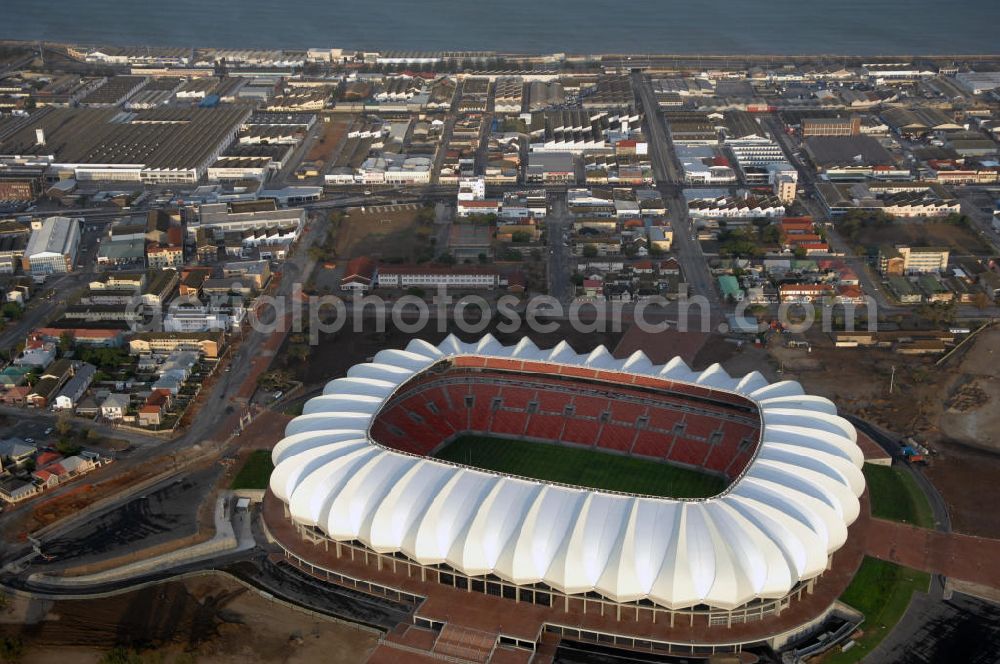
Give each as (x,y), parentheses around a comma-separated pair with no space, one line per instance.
(882,592)
(255,472)
(581,467)
(895,496)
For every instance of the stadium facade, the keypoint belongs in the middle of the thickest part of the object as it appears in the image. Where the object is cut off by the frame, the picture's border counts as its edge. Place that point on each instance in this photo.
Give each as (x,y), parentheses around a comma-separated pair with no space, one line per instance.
(356,499)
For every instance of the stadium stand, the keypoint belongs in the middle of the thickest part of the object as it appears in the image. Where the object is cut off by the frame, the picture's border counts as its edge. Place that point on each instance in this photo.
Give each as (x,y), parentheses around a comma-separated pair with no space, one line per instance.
(679,423)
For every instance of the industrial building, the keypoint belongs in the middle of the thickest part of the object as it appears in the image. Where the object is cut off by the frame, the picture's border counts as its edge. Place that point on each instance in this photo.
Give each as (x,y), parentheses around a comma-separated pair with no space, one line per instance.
(171,145)
(52,247)
(853,157)
(220,218)
(551,168)
(835,126)
(508,95)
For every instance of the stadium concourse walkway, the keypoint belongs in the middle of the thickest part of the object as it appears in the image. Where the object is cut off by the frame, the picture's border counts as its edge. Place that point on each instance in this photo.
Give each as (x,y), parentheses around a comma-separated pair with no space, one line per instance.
(873,451)
(477,612)
(954,555)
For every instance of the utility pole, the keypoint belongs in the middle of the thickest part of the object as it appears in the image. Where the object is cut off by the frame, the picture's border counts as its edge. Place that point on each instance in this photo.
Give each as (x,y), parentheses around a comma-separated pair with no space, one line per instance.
(892,379)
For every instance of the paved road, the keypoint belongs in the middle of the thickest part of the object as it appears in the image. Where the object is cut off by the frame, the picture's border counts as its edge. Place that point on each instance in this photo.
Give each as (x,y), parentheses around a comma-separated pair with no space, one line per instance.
(962,629)
(43,307)
(669,182)
(286,176)
(446,133)
(871,283)
(557,224)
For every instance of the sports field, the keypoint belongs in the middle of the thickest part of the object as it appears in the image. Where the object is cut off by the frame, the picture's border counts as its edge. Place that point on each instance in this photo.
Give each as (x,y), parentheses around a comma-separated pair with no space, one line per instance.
(581,467)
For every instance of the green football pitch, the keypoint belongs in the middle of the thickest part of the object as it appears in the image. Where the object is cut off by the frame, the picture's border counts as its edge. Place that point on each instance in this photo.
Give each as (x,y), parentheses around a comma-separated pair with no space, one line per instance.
(581,467)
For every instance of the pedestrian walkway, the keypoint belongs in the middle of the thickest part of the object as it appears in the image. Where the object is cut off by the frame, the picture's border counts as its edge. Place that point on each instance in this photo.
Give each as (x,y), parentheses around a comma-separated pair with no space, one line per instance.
(954,555)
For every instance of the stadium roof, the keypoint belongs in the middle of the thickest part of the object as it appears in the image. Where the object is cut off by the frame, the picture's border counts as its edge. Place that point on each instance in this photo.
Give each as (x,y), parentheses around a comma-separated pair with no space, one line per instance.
(774,527)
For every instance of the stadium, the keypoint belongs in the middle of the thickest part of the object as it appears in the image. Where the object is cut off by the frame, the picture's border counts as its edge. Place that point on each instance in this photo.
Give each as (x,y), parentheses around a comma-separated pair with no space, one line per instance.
(610,501)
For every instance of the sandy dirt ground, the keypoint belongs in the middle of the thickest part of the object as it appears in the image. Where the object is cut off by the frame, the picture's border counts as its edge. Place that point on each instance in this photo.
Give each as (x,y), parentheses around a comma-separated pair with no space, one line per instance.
(954,410)
(959,239)
(208,619)
(388,232)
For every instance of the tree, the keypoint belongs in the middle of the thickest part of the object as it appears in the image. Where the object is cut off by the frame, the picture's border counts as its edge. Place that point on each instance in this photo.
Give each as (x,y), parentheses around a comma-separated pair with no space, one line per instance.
(957,219)
(65,342)
(589,250)
(446,259)
(770,234)
(67,447)
(298,352)
(426,214)
(11,648)
(12,310)
(63,424)
(981,301)
(121,655)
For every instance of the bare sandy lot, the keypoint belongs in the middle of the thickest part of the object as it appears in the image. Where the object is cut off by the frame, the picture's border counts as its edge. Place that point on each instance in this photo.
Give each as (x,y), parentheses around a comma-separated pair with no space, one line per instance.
(387,232)
(954,410)
(957,238)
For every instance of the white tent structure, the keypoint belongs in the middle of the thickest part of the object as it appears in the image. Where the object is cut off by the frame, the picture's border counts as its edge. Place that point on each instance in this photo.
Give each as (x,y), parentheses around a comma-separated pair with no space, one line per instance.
(773,528)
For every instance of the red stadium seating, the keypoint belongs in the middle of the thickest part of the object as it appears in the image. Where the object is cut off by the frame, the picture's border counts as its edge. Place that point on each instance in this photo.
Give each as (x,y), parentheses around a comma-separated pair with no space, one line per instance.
(652,444)
(509,422)
(581,432)
(517,397)
(616,437)
(584,406)
(545,426)
(719,434)
(552,402)
(622,411)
